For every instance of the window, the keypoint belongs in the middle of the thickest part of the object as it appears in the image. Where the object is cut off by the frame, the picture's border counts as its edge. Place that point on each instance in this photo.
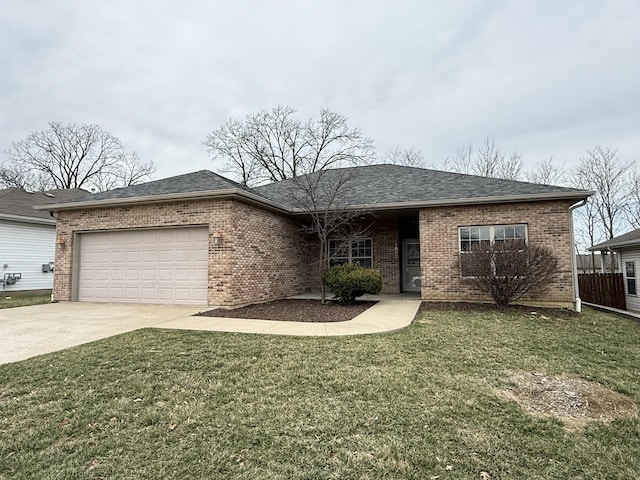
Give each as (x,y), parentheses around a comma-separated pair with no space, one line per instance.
(473,237)
(630,270)
(357,251)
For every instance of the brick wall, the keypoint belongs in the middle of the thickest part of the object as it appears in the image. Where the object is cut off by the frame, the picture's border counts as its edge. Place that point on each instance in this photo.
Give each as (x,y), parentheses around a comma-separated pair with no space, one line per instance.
(249,264)
(270,258)
(548,225)
(262,255)
(386,244)
(384,241)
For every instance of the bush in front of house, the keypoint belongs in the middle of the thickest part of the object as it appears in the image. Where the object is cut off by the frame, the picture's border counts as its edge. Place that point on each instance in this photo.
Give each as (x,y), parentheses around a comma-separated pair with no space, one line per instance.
(509,270)
(348,281)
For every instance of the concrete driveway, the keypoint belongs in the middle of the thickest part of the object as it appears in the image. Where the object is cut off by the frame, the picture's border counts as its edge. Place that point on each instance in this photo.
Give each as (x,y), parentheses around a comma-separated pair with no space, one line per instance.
(29,331)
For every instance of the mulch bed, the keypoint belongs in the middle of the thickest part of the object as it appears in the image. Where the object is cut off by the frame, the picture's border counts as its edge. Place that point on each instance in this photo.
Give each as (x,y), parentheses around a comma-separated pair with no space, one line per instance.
(489,307)
(292,310)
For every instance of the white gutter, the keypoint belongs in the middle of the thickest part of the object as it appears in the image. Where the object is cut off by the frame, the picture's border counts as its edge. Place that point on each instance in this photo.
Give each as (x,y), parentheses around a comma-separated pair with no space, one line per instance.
(597,248)
(467,201)
(22,219)
(574,260)
(169,197)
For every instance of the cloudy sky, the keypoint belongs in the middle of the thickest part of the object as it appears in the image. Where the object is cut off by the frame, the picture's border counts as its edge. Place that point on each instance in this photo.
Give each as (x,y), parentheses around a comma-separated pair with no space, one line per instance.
(543,77)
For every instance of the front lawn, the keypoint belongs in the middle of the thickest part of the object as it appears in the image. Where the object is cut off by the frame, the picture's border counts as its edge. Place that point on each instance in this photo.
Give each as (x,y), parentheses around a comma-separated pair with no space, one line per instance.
(9,300)
(420,403)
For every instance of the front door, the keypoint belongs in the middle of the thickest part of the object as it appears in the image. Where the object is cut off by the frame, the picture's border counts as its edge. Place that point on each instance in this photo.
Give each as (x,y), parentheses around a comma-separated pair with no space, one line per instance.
(410,265)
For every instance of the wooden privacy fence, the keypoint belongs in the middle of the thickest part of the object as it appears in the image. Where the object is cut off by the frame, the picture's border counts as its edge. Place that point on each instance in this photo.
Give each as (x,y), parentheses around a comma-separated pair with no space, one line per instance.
(603,289)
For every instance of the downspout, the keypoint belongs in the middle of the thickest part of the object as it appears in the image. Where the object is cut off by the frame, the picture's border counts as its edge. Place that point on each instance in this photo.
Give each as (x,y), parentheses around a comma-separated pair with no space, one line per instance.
(574,264)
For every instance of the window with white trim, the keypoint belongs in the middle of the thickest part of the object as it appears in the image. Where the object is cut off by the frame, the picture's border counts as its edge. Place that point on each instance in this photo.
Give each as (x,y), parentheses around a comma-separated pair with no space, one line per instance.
(474,237)
(630,270)
(358,251)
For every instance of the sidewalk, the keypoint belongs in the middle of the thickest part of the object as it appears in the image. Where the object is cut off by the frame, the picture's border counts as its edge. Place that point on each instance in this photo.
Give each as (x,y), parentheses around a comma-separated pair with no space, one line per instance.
(392,312)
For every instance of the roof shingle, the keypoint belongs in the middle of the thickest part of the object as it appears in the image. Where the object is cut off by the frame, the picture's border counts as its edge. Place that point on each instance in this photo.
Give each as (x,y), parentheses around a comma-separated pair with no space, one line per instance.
(200,181)
(371,185)
(20,203)
(397,184)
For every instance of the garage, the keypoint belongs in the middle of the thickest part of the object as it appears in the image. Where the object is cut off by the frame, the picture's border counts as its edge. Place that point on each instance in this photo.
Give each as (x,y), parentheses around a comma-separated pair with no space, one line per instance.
(164,265)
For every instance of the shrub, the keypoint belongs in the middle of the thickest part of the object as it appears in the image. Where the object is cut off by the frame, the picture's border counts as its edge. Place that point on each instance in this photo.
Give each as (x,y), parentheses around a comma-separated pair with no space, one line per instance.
(509,270)
(348,281)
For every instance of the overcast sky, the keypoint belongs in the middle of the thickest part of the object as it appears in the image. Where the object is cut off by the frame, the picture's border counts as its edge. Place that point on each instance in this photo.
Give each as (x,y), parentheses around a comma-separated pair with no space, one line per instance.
(543,77)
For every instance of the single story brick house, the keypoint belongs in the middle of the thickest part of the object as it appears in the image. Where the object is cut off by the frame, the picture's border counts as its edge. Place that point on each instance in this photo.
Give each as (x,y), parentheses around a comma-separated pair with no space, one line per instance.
(203,239)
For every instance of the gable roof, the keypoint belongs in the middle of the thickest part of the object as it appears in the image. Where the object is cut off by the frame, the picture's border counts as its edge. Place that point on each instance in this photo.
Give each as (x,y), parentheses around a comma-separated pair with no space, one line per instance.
(200,181)
(397,186)
(628,239)
(195,185)
(372,186)
(17,204)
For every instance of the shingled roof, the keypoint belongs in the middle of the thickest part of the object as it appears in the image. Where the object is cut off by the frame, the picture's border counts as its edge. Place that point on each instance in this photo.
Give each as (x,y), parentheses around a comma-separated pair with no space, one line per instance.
(372,186)
(631,238)
(17,204)
(390,186)
(200,181)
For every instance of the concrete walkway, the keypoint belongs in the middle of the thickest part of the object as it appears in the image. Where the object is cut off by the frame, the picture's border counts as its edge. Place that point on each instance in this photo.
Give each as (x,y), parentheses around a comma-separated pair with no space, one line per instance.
(29,331)
(392,312)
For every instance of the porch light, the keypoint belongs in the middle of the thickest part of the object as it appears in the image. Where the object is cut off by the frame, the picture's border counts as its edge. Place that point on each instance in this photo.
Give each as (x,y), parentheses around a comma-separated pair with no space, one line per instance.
(61,242)
(217,237)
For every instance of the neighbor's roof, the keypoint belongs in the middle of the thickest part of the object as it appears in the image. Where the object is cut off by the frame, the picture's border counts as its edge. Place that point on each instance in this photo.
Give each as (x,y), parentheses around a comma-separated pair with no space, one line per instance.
(372,186)
(628,239)
(18,205)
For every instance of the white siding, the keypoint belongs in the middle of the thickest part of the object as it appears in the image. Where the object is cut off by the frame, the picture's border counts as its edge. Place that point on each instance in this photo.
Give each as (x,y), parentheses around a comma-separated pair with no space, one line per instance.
(631,255)
(24,248)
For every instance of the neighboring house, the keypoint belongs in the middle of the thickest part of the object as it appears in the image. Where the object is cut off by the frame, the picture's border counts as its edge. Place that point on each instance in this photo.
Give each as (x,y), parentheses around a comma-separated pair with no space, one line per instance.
(596,263)
(27,238)
(203,239)
(627,247)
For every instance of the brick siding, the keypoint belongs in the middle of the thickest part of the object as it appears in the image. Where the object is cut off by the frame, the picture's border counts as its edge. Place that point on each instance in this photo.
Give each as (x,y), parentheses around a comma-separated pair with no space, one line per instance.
(385,242)
(548,225)
(262,255)
(259,256)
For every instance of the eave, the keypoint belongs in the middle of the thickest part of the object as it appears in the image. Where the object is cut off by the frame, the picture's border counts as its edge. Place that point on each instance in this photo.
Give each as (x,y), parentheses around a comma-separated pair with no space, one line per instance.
(23,219)
(581,195)
(266,203)
(614,246)
(165,198)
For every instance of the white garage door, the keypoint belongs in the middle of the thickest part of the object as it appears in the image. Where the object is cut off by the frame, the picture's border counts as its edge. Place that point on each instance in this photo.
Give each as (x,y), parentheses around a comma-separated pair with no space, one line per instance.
(144,266)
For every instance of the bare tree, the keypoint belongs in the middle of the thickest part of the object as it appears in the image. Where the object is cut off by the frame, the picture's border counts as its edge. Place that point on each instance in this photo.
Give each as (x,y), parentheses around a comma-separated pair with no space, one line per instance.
(633,204)
(587,231)
(546,172)
(407,157)
(71,156)
(492,162)
(273,145)
(509,270)
(129,171)
(462,161)
(489,161)
(19,176)
(602,170)
(320,197)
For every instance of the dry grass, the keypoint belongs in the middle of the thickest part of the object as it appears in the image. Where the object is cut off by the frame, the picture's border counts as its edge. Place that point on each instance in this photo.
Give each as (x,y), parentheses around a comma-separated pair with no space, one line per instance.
(8,300)
(419,403)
